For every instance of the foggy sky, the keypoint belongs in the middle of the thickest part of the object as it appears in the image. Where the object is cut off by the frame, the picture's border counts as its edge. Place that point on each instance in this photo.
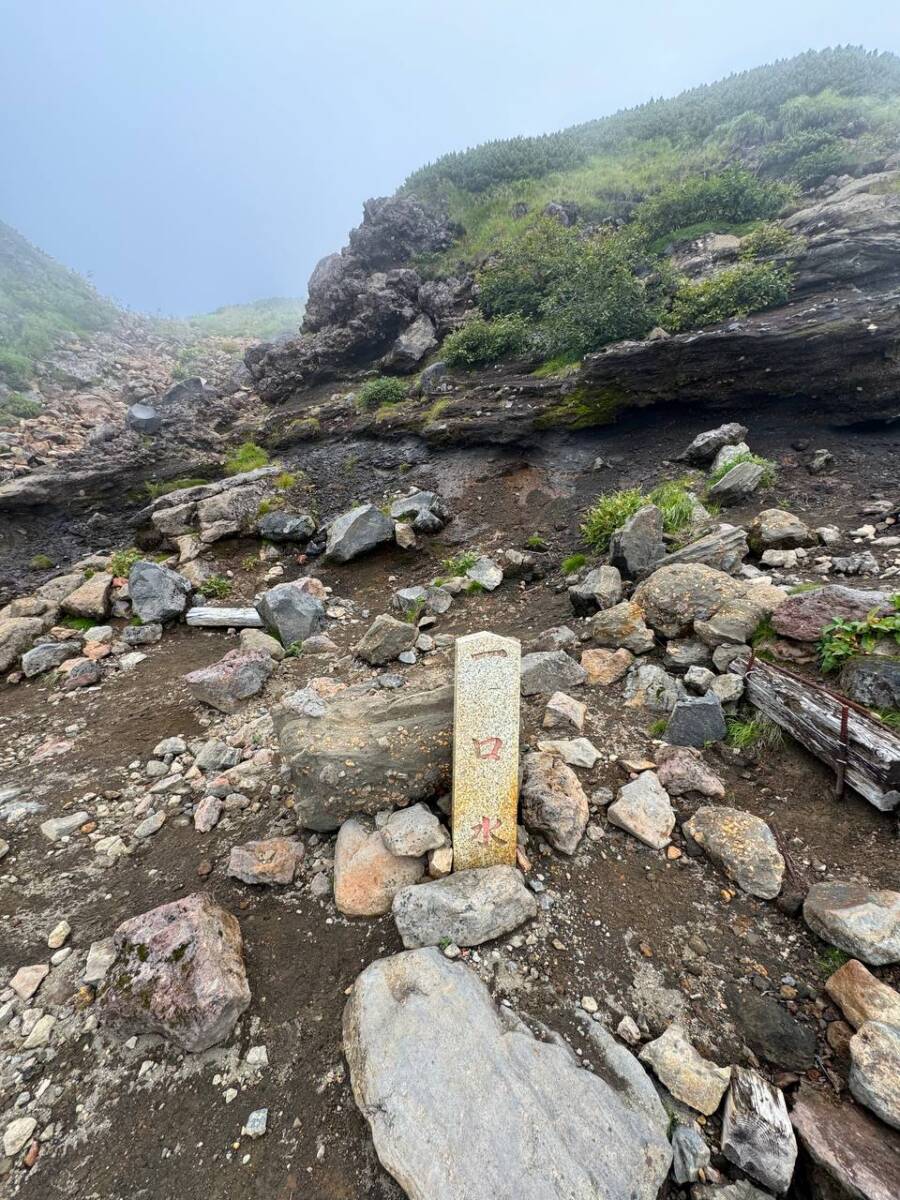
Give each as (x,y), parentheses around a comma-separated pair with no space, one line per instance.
(193,153)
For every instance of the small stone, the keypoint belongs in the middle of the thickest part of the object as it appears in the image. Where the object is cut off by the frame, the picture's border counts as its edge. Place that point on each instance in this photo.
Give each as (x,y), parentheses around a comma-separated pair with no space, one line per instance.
(864,922)
(628,1031)
(413,831)
(743,845)
(256,1124)
(101,956)
(605,667)
(690,1078)
(589,1004)
(440,862)
(367,876)
(207,814)
(467,908)
(58,935)
(17,1134)
(861,997)
(27,980)
(564,711)
(150,825)
(257,1056)
(875,1070)
(696,721)
(644,810)
(546,672)
(577,752)
(690,1154)
(273,860)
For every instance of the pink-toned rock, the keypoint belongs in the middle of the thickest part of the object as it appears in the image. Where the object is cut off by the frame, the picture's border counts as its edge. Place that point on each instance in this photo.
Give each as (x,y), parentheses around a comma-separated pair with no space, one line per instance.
(367,875)
(861,997)
(804,616)
(207,813)
(179,971)
(96,650)
(271,861)
(84,673)
(681,769)
(236,677)
(606,666)
(27,980)
(315,587)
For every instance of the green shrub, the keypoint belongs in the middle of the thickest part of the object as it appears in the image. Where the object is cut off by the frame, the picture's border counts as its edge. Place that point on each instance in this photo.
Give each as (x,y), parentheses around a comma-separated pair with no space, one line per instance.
(676,504)
(121,561)
(15,368)
(609,514)
(842,639)
(757,730)
(731,195)
(216,586)
(479,342)
(460,564)
(41,562)
(573,563)
(535,542)
(79,623)
(285,481)
(247,457)
(734,292)
(528,269)
(770,470)
(385,390)
(18,405)
(765,240)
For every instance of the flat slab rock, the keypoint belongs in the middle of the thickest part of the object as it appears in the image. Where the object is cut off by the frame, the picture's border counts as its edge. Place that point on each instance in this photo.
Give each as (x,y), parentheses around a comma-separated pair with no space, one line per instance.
(859,1153)
(862,921)
(467,908)
(179,971)
(463,1101)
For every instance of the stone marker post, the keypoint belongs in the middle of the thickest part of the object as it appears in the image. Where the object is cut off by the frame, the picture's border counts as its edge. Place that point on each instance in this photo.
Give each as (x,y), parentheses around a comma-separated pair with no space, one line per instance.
(485,750)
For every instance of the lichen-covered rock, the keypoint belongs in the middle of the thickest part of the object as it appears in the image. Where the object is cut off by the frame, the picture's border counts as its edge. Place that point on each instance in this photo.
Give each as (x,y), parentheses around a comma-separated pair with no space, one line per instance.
(677,595)
(804,616)
(743,845)
(622,627)
(179,971)
(273,860)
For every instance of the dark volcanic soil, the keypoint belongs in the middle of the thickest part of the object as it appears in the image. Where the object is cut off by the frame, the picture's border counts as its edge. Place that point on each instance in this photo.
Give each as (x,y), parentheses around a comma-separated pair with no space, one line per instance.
(645,935)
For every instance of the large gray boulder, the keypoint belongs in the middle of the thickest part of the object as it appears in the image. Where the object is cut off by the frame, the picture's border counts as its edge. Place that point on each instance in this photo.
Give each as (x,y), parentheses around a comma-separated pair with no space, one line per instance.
(676,595)
(638,546)
(738,484)
(157,594)
(357,532)
(464,1102)
(290,613)
(286,527)
(467,908)
(368,752)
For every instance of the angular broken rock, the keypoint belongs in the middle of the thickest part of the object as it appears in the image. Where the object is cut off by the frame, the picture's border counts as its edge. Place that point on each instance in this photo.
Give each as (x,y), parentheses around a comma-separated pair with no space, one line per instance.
(486,573)
(622,627)
(743,845)
(853,1154)
(286,527)
(514,1111)
(643,809)
(236,677)
(649,686)
(606,666)
(875,1070)
(367,875)
(27,980)
(690,1154)
(413,831)
(357,532)
(696,721)
(271,861)
(775,529)
(467,908)
(705,446)
(862,921)
(577,752)
(638,546)
(91,599)
(290,613)
(553,801)
(756,1131)
(157,594)
(550,671)
(45,657)
(724,548)
(562,711)
(179,971)
(681,770)
(386,639)
(600,589)
(737,484)
(368,752)
(690,1077)
(861,997)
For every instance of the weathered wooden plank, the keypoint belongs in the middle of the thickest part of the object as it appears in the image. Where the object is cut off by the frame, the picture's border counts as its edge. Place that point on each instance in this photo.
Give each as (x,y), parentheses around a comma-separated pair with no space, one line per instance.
(869,754)
(224,618)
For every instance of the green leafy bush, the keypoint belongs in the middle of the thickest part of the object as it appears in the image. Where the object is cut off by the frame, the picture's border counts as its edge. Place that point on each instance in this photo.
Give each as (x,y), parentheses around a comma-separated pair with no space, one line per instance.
(385,390)
(731,195)
(765,240)
(479,343)
(459,564)
(216,586)
(18,405)
(769,475)
(611,511)
(247,457)
(734,292)
(843,639)
(121,561)
(528,269)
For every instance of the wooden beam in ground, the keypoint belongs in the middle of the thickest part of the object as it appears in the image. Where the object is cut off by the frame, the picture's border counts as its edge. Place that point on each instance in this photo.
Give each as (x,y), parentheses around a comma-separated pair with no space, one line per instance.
(861,751)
